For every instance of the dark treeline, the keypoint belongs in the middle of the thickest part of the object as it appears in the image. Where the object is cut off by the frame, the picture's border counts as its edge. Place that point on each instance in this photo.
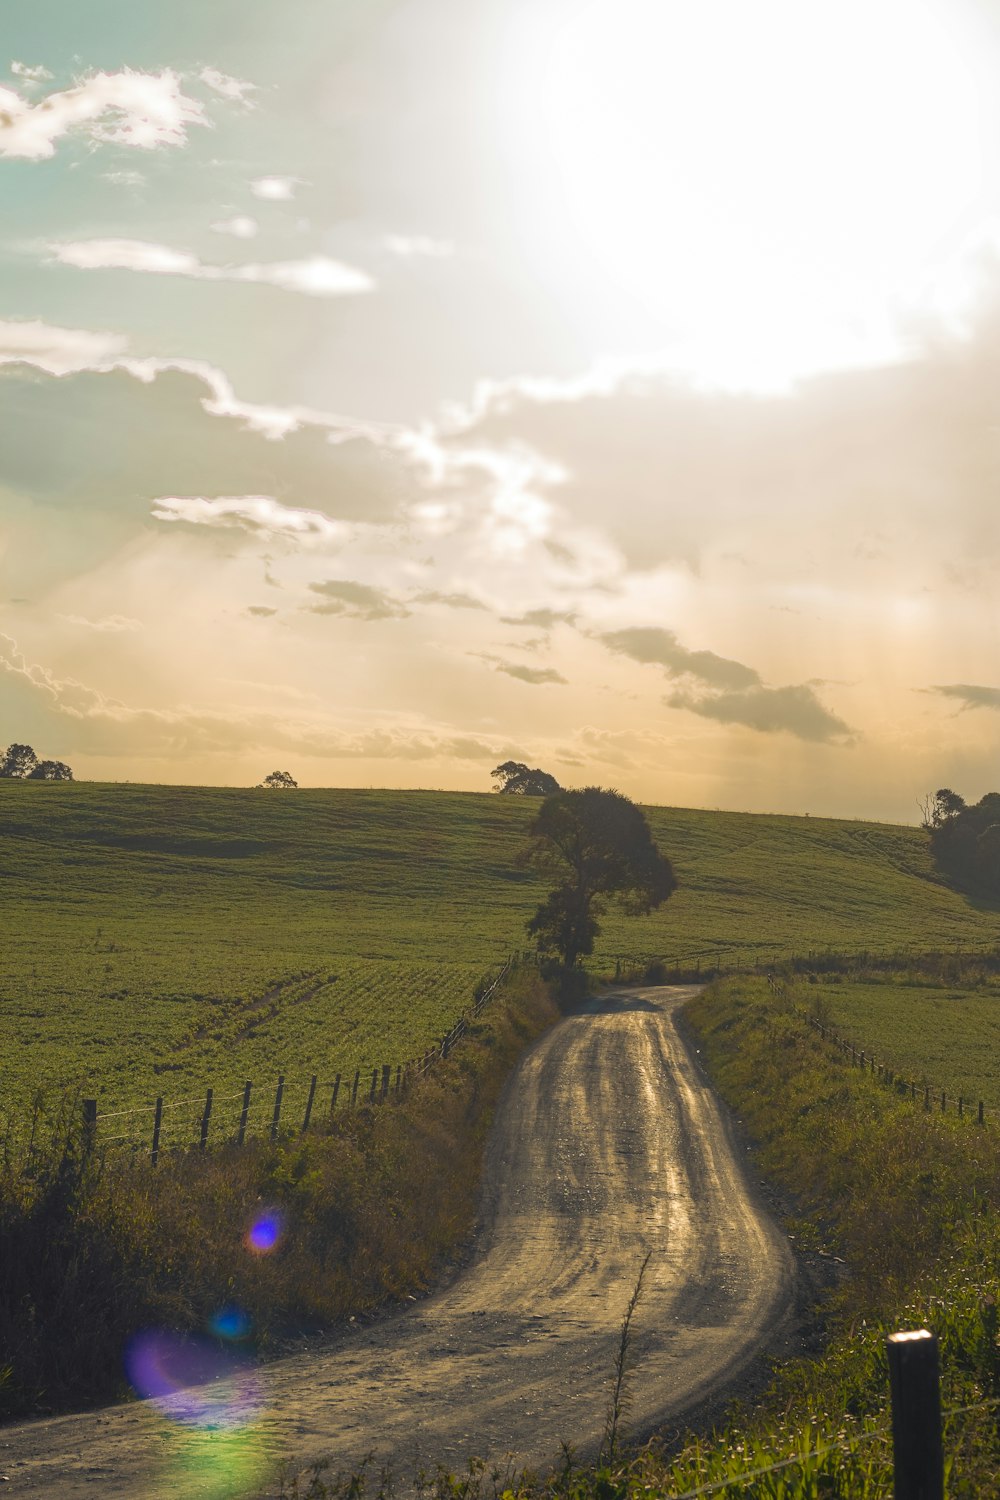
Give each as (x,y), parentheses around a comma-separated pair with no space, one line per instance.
(965,839)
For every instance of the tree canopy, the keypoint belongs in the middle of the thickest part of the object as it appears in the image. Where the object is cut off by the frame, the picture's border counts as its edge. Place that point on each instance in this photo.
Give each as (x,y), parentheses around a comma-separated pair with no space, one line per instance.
(279,779)
(20,763)
(965,839)
(598,845)
(514,779)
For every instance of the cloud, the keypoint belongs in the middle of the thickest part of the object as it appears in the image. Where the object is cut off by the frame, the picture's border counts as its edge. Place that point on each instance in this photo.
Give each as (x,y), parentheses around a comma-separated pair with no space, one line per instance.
(275,189)
(359,601)
(970,694)
(261,610)
(652,645)
(130,179)
(112,624)
(241,227)
(229,88)
(535,676)
(104,725)
(407,245)
(30,75)
(143,110)
(317,276)
(57,351)
(796,710)
(451,601)
(543,619)
(261,514)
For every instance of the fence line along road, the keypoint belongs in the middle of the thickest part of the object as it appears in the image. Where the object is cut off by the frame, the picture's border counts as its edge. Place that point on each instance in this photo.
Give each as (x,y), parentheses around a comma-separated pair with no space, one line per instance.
(270,1109)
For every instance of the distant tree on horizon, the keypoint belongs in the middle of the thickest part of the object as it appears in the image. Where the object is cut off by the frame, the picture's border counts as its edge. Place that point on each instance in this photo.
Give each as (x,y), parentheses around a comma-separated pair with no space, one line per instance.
(279,779)
(514,779)
(20,763)
(965,839)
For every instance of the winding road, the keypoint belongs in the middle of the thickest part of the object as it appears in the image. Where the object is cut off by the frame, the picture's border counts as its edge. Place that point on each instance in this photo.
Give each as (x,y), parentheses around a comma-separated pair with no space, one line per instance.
(608,1144)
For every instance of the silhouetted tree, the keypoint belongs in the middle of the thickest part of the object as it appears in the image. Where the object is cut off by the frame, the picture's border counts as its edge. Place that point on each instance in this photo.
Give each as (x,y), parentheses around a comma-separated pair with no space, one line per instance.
(598,844)
(50,770)
(965,839)
(517,780)
(279,779)
(20,763)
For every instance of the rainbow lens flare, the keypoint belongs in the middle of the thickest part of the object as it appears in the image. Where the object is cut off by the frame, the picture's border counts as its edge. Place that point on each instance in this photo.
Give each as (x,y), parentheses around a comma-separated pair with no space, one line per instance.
(265,1232)
(192,1381)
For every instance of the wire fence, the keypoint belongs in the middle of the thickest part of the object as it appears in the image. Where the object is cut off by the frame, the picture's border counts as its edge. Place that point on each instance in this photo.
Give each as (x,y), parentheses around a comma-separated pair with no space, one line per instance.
(284,1106)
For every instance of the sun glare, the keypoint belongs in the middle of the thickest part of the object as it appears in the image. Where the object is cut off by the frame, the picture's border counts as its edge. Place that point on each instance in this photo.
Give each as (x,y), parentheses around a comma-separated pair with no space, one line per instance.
(781,186)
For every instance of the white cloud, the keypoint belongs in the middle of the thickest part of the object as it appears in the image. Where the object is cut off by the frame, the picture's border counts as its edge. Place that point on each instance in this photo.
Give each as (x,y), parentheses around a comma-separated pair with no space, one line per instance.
(241,226)
(417,244)
(143,110)
(58,351)
(126,178)
(229,88)
(316,276)
(276,189)
(30,75)
(261,514)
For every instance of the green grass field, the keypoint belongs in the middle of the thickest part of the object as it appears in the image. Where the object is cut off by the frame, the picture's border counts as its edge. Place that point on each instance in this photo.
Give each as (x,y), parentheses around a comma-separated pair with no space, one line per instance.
(947,1036)
(158,939)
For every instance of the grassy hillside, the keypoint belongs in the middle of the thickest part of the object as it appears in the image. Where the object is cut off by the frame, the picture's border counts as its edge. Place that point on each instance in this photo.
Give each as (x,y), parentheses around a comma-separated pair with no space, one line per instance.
(158,938)
(944,1035)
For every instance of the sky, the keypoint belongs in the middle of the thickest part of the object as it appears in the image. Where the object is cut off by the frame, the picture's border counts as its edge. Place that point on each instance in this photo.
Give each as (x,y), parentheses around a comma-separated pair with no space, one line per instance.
(390,388)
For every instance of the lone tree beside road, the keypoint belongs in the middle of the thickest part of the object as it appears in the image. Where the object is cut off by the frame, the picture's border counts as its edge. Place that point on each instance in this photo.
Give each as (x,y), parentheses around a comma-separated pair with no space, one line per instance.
(597,843)
(515,779)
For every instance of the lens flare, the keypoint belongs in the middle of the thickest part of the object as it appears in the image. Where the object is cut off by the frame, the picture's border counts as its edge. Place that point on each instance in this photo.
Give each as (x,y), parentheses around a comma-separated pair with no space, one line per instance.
(192,1380)
(230,1323)
(265,1232)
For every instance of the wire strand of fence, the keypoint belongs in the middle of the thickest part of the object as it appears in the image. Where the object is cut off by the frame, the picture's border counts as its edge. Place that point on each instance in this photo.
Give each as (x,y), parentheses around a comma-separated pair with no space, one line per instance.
(138,1109)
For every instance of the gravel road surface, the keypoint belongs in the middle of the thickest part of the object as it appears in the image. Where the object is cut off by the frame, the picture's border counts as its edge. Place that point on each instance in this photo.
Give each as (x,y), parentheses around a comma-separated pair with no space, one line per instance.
(608,1144)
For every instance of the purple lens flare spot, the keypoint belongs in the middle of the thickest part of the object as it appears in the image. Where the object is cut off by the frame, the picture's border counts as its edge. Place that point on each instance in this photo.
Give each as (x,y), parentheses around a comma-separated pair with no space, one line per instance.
(191,1380)
(265,1232)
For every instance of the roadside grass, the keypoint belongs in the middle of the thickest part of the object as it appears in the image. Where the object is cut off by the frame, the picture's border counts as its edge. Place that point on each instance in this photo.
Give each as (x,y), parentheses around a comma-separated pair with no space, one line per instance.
(94,1249)
(161,939)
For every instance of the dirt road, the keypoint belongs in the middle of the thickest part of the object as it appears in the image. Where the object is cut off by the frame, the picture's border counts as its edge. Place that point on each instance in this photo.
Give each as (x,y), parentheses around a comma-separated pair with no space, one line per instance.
(607,1145)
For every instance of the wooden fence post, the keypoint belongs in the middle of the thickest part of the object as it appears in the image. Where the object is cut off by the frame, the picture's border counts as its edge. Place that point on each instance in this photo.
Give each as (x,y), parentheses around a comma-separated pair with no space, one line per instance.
(157,1122)
(914,1374)
(309,1104)
(354,1090)
(205,1118)
(399,1080)
(980,1111)
(89,1125)
(276,1118)
(372,1091)
(336,1091)
(241,1133)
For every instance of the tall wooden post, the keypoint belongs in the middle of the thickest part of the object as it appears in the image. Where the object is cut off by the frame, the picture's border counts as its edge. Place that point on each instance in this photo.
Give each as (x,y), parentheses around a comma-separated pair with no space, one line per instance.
(914,1383)
(241,1133)
(276,1118)
(386,1072)
(336,1091)
(374,1087)
(399,1080)
(309,1104)
(157,1123)
(206,1117)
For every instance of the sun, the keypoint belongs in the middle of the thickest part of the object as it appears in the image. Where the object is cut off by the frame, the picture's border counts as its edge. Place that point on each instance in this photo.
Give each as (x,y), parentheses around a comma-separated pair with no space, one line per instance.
(779,186)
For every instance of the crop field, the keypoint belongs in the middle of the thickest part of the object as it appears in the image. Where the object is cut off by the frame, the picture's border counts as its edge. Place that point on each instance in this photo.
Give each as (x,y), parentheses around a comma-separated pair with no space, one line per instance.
(947,1036)
(160,939)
